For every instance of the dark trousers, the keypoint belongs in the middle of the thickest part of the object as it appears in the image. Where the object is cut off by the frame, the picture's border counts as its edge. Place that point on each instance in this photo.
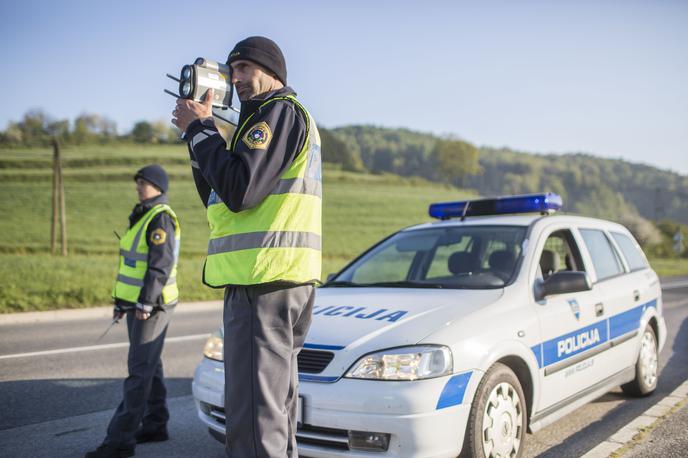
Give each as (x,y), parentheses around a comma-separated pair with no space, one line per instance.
(265,328)
(144,392)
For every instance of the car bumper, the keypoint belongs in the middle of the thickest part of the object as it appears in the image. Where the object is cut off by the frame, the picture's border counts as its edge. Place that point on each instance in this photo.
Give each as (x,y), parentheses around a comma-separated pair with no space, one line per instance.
(407,411)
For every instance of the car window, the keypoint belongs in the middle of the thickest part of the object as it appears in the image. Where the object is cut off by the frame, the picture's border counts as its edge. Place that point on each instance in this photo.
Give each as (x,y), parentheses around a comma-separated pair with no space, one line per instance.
(560,253)
(440,263)
(630,250)
(450,257)
(604,258)
(389,264)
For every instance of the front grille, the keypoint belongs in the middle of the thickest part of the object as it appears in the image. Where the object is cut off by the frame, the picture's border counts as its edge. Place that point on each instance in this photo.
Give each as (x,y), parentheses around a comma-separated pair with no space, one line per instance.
(314,361)
(331,438)
(217,413)
(337,439)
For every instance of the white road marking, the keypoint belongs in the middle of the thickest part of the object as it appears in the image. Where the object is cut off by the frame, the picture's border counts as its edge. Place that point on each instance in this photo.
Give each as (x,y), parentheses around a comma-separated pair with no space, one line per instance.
(98,347)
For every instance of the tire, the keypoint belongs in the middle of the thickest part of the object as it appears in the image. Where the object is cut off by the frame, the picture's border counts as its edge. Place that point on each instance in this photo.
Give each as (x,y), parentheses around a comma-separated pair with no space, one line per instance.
(646,368)
(497,421)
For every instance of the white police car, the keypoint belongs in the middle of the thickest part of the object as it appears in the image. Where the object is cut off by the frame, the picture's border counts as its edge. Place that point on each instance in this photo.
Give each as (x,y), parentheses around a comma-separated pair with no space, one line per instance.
(464,333)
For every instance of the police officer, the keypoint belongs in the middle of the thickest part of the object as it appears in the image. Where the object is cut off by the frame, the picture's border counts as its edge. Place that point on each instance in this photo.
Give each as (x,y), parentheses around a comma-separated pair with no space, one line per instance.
(146,292)
(263,201)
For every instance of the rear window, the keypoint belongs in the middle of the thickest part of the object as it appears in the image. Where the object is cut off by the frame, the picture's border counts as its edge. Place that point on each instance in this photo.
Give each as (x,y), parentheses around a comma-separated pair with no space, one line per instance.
(604,258)
(631,251)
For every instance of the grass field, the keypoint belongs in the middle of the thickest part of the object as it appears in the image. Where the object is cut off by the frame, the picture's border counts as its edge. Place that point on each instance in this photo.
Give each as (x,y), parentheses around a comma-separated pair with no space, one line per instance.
(358,210)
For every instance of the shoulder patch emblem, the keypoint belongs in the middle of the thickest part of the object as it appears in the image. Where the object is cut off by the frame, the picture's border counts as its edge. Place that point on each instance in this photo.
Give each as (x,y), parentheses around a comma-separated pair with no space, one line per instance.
(158,236)
(258,136)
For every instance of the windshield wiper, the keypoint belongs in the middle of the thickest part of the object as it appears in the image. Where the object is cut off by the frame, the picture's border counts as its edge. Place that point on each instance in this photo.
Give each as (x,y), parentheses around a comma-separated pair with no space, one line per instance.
(382,284)
(342,284)
(402,284)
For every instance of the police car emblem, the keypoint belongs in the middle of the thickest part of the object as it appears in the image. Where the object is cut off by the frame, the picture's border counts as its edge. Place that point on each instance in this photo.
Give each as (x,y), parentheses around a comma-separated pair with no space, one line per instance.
(575,308)
(258,136)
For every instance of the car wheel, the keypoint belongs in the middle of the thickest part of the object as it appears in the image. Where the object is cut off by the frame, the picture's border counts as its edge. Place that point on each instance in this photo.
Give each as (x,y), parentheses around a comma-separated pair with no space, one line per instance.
(646,368)
(497,422)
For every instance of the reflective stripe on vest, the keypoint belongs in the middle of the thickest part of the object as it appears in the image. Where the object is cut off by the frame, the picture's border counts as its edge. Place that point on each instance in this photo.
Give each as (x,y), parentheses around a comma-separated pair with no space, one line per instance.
(133,260)
(280,238)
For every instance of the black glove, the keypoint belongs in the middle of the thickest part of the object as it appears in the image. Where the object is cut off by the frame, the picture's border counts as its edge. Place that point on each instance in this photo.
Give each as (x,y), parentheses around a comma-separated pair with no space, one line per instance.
(118,312)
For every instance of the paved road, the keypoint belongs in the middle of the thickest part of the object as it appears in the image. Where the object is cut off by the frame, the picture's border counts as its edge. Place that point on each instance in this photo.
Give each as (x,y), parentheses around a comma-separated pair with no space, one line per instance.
(58,404)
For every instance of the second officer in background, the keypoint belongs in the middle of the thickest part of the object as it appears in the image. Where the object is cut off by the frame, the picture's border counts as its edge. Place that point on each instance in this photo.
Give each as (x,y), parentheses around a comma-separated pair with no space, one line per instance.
(146,293)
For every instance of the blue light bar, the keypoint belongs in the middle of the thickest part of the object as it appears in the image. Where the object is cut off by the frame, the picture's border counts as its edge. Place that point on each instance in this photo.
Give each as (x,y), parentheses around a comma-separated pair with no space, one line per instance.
(527,203)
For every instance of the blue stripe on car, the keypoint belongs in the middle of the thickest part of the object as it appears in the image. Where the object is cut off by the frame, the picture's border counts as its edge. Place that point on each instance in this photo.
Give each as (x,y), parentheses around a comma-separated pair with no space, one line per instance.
(552,351)
(626,322)
(453,391)
(316,378)
(323,347)
(548,352)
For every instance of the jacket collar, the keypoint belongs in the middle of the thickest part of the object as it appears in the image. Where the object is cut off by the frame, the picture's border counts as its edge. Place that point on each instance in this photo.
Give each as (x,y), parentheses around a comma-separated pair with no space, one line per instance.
(251,106)
(142,208)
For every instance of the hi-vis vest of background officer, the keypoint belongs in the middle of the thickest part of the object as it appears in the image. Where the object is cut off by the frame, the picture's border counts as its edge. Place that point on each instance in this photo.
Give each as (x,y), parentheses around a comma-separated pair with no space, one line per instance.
(133,260)
(279,239)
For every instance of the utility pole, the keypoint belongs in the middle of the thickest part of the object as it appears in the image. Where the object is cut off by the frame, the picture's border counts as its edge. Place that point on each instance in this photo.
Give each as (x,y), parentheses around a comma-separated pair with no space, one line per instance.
(58,201)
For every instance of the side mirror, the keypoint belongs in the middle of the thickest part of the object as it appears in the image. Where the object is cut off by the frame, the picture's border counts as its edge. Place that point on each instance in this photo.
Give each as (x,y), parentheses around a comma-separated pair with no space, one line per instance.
(563,282)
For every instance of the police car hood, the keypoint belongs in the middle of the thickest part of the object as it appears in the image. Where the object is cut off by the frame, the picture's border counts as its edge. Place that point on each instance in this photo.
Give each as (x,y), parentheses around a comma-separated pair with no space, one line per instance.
(368,319)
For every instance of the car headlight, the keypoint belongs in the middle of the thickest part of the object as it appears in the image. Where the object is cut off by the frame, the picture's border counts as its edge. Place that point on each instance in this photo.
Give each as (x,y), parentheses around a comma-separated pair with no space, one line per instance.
(214,347)
(406,363)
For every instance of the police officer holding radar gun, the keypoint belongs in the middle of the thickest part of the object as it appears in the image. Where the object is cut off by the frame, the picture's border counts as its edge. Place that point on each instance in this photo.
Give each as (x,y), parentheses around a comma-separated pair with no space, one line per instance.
(145,292)
(263,200)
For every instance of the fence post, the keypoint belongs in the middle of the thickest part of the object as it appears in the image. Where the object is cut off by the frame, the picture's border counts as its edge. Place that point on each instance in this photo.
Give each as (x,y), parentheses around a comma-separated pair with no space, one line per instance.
(58,199)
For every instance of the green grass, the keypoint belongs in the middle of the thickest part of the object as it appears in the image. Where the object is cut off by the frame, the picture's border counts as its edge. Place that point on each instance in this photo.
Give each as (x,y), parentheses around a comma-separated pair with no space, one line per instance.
(358,210)
(670,267)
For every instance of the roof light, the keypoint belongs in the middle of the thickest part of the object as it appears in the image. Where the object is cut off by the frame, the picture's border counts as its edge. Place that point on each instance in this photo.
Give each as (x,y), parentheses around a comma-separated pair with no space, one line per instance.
(527,203)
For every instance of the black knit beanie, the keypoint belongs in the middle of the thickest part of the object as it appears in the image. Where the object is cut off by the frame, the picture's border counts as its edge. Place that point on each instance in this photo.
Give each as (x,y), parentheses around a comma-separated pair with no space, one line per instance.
(155,175)
(262,51)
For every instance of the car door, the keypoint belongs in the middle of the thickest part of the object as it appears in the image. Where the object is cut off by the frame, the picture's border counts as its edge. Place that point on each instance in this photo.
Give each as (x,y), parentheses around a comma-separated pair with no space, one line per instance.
(572,333)
(627,292)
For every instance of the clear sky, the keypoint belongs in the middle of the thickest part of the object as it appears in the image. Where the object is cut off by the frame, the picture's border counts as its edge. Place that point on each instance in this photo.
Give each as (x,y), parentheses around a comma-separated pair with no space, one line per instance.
(608,78)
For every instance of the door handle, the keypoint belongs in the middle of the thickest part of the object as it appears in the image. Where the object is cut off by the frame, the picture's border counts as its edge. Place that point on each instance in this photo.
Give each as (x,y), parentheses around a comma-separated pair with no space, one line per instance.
(636,295)
(599,309)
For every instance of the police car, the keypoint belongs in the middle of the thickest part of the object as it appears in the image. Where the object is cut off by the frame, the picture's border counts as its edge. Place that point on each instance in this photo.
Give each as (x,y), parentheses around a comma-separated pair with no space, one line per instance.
(463,334)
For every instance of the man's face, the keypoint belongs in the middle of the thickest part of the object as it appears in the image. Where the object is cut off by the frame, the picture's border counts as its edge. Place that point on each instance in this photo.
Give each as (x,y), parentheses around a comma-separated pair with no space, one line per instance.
(146,190)
(251,79)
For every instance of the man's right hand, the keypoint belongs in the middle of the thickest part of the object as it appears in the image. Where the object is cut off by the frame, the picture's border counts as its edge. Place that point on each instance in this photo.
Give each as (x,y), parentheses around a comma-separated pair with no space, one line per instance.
(186,111)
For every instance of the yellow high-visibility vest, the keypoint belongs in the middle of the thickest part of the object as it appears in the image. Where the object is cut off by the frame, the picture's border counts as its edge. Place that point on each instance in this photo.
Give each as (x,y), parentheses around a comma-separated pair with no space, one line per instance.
(279,239)
(133,259)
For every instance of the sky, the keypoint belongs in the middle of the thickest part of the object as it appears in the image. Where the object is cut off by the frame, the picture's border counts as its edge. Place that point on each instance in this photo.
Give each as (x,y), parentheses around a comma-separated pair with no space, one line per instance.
(608,78)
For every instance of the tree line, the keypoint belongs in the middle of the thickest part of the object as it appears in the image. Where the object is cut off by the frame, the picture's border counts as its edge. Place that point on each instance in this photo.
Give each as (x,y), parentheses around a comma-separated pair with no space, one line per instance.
(37,128)
(653,203)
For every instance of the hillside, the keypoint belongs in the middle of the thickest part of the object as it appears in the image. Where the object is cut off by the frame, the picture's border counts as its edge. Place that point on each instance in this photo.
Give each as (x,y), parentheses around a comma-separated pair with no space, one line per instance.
(610,188)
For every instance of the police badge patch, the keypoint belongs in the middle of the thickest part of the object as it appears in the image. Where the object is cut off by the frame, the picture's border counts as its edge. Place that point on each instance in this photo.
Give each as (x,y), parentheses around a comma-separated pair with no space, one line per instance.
(158,237)
(258,136)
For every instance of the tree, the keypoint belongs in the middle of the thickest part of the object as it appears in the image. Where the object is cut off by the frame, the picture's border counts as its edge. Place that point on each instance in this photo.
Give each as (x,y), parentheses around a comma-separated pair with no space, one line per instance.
(336,151)
(163,132)
(643,230)
(454,160)
(142,132)
(34,128)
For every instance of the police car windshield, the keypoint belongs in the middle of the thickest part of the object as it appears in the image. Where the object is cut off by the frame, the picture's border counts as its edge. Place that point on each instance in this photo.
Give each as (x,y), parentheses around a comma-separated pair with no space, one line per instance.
(464,257)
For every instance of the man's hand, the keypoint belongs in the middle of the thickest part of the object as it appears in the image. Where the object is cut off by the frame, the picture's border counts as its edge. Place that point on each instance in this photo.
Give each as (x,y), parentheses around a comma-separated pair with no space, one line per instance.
(143,312)
(187,111)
